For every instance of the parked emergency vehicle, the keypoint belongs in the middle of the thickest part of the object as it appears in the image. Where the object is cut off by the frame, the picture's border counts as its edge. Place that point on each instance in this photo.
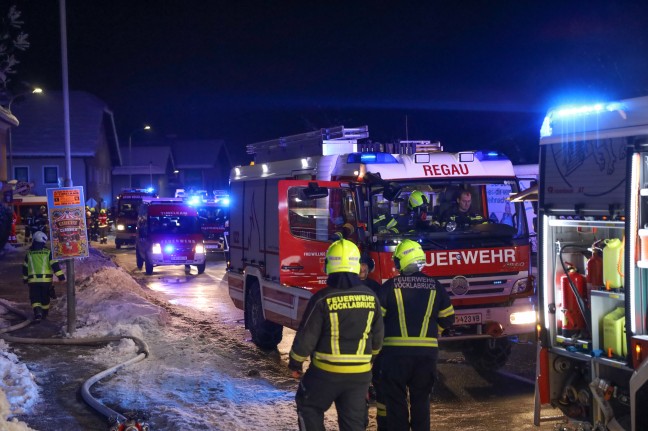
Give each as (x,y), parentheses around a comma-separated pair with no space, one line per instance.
(305,191)
(593,275)
(214,221)
(128,203)
(168,233)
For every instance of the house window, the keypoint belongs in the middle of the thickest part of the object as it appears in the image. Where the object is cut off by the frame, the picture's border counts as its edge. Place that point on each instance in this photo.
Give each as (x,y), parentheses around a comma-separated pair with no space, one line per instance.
(21,173)
(50,174)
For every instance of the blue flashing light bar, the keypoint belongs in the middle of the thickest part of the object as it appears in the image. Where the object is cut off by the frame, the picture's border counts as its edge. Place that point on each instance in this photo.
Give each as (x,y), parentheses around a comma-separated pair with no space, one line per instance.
(224,201)
(168,248)
(373,158)
(577,111)
(489,155)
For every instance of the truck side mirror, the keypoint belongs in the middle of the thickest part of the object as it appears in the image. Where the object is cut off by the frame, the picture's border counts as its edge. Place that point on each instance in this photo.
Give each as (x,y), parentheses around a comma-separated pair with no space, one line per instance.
(313,191)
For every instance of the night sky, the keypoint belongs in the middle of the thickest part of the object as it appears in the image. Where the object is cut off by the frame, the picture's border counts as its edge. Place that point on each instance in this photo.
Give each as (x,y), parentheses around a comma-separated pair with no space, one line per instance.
(472,74)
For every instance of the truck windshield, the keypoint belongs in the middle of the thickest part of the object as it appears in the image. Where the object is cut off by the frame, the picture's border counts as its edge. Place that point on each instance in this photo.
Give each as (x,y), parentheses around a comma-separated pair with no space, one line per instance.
(128,207)
(476,213)
(173,225)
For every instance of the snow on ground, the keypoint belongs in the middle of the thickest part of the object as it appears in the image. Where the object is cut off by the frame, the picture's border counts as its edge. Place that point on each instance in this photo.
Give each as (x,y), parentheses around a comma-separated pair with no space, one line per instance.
(197,376)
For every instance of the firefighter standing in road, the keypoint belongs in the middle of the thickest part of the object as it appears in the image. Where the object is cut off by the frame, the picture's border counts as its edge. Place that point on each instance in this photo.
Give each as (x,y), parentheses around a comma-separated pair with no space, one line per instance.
(414,307)
(38,271)
(102,222)
(341,330)
(367,265)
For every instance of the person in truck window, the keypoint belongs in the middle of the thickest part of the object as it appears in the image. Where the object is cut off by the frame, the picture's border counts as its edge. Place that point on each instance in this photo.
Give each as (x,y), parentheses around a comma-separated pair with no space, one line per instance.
(461,214)
(420,216)
(341,331)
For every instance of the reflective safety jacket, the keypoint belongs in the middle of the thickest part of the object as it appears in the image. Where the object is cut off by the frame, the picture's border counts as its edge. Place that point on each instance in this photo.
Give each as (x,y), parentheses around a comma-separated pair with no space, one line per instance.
(414,308)
(340,331)
(463,218)
(39,267)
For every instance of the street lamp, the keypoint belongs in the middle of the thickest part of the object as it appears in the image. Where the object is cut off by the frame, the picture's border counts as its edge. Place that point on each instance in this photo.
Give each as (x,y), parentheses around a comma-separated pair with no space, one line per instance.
(130,153)
(35,90)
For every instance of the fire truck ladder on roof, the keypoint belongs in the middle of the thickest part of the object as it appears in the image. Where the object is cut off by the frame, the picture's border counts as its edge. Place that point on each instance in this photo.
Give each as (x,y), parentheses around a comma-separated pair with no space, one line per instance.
(309,144)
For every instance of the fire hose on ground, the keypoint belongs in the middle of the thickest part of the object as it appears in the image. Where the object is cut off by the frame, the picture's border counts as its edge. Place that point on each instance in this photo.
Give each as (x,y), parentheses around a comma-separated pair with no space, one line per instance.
(109,413)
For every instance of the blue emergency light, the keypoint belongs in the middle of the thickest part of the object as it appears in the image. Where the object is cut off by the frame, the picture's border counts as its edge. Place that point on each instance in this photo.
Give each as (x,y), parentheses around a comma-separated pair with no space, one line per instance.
(577,111)
(169,248)
(372,158)
(489,155)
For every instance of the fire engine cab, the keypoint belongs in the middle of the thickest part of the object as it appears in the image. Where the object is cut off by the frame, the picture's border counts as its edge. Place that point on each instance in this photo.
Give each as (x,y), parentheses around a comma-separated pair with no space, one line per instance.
(593,266)
(305,191)
(168,233)
(128,203)
(213,214)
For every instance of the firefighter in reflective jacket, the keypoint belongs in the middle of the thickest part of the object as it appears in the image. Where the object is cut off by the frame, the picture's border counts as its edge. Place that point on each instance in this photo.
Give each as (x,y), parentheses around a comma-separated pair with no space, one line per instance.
(341,330)
(38,271)
(415,308)
(102,222)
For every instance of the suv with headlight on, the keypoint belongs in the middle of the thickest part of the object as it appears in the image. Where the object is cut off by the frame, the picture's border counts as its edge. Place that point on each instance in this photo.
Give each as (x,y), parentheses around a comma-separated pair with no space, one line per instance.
(168,233)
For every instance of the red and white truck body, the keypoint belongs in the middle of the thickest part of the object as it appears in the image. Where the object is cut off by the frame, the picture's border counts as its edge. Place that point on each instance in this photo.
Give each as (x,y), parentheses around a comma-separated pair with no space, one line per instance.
(285,214)
(593,214)
(168,233)
(128,203)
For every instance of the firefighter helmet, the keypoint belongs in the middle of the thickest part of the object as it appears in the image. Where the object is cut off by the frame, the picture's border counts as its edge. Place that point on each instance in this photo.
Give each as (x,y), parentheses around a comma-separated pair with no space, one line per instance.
(342,256)
(102,211)
(40,237)
(416,199)
(407,253)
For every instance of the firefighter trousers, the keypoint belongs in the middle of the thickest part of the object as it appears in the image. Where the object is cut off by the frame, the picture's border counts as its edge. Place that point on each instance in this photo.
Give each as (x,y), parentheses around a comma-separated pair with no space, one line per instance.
(319,389)
(39,296)
(400,374)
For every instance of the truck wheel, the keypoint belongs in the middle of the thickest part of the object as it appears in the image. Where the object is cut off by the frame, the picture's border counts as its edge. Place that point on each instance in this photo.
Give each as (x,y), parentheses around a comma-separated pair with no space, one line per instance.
(265,334)
(201,268)
(138,258)
(149,267)
(118,244)
(488,355)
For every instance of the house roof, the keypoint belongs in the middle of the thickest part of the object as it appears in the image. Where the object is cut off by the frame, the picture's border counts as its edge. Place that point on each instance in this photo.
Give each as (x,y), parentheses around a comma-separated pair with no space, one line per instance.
(198,153)
(42,133)
(146,160)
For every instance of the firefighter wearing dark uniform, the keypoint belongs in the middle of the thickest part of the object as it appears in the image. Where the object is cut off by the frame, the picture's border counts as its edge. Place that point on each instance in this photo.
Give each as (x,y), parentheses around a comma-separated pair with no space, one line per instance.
(38,271)
(341,330)
(367,266)
(420,218)
(414,307)
(460,216)
(102,222)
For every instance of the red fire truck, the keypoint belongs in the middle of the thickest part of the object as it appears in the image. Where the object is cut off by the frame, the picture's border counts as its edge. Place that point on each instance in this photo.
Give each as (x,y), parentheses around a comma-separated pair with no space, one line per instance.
(593,270)
(214,221)
(307,190)
(168,233)
(128,203)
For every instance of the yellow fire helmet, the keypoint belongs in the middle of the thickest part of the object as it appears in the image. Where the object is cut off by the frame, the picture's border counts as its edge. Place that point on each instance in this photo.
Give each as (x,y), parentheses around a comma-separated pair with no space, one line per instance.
(342,256)
(416,199)
(407,253)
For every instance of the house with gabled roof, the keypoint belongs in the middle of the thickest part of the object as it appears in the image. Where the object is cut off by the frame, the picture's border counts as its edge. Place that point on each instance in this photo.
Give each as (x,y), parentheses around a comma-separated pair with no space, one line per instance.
(145,167)
(202,164)
(38,144)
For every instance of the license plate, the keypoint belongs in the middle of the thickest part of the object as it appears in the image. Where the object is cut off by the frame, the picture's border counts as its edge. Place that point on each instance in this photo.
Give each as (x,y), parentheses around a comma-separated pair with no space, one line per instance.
(468,319)
(178,257)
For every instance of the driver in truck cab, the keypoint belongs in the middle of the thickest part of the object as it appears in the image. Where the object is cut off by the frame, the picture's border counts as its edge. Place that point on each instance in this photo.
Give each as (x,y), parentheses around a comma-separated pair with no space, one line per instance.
(460,213)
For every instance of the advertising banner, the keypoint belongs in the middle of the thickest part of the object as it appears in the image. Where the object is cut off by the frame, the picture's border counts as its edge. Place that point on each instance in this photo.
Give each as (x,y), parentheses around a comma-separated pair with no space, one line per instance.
(66,211)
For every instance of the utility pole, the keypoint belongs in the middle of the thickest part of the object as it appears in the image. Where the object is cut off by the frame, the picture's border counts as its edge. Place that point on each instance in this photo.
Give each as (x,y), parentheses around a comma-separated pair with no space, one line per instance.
(69,264)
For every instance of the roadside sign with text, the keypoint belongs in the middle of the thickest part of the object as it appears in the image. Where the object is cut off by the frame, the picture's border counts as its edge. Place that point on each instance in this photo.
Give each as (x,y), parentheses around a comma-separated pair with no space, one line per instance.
(67,222)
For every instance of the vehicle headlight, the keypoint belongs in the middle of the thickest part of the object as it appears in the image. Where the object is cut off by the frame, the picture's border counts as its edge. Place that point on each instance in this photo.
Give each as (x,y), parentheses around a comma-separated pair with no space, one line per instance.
(121,227)
(523,317)
(200,249)
(157,249)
